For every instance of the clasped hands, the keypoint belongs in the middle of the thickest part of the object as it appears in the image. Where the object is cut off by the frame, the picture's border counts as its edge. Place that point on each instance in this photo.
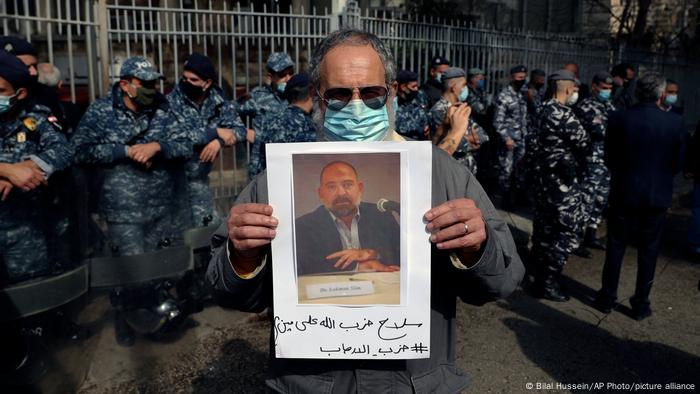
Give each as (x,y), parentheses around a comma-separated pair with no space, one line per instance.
(25,175)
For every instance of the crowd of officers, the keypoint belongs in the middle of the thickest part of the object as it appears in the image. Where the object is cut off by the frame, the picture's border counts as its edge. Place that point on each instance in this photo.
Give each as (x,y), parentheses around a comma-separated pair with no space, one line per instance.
(539,142)
(140,160)
(131,174)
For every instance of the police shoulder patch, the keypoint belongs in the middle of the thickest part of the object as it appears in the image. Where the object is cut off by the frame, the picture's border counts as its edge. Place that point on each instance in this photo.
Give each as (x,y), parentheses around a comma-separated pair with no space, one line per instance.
(29,123)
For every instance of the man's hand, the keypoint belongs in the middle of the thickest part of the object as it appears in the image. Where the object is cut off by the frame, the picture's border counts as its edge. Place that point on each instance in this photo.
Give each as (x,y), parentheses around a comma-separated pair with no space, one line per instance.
(457,224)
(457,120)
(227,135)
(250,227)
(458,115)
(349,256)
(5,188)
(142,153)
(376,266)
(25,175)
(510,144)
(250,135)
(210,151)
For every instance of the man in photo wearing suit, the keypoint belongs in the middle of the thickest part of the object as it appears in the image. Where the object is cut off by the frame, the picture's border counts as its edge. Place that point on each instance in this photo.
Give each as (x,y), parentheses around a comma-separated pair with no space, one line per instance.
(644,148)
(345,234)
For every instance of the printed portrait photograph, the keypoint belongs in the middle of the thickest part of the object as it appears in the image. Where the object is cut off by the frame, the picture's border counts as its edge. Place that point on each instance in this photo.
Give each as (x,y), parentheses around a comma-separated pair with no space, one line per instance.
(347,232)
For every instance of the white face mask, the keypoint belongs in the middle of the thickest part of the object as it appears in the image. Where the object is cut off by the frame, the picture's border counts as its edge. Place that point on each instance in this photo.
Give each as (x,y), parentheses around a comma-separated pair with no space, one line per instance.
(571,100)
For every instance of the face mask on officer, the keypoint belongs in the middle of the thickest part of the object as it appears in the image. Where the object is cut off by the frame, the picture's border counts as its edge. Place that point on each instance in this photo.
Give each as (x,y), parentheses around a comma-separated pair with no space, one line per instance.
(481,84)
(604,95)
(463,94)
(518,84)
(144,98)
(192,91)
(572,98)
(410,94)
(278,80)
(8,102)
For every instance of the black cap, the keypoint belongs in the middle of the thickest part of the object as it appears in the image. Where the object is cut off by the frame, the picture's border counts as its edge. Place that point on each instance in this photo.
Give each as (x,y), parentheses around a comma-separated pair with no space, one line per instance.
(16,46)
(603,77)
(538,73)
(13,70)
(518,69)
(439,61)
(301,80)
(201,65)
(405,76)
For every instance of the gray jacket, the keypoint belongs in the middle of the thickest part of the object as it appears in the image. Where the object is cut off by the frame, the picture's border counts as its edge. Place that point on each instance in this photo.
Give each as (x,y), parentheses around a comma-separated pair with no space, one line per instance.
(496,275)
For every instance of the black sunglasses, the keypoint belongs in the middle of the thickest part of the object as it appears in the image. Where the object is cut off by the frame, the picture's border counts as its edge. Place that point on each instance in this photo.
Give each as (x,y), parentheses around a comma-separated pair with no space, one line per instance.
(337,98)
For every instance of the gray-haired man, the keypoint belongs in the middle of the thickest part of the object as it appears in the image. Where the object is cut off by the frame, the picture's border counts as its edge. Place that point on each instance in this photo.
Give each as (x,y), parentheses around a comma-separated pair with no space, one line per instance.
(353,71)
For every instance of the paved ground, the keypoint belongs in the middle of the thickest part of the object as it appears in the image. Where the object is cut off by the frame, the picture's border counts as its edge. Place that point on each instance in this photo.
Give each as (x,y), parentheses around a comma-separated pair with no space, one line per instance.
(503,346)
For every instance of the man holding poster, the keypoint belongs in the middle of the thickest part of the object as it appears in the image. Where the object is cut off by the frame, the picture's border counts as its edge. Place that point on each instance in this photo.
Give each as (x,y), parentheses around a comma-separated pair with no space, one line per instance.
(472,256)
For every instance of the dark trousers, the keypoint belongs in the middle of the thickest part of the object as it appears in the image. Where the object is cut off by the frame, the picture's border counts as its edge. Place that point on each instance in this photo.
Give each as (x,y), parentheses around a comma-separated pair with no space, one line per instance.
(644,226)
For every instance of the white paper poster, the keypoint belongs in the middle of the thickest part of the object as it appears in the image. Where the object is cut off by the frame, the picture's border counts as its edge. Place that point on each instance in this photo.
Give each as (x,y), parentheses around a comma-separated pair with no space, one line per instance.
(351,258)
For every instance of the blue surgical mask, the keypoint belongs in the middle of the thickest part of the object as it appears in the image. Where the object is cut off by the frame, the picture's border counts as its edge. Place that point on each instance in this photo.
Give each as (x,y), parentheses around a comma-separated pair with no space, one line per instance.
(396,104)
(671,99)
(481,84)
(6,103)
(604,95)
(438,77)
(463,94)
(356,122)
(281,86)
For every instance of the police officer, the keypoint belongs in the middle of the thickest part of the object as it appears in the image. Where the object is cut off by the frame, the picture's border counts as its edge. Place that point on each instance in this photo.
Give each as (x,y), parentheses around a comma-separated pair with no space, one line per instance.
(583,90)
(212,123)
(433,86)
(562,147)
(510,122)
(455,92)
(593,114)
(31,151)
(267,99)
(294,124)
(134,140)
(25,52)
(535,91)
(47,105)
(478,99)
(534,94)
(411,107)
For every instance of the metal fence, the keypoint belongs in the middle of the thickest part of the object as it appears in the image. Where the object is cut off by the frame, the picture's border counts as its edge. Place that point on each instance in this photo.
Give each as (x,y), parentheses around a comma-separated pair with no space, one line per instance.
(90,38)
